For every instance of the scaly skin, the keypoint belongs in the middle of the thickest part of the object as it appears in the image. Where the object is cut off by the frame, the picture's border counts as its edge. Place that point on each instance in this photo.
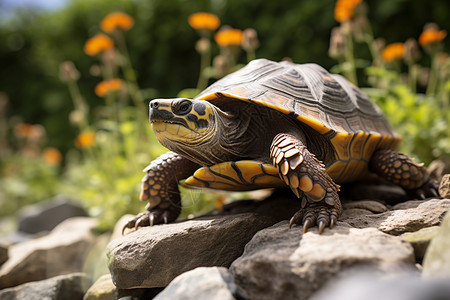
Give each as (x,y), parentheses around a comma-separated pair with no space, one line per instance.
(160,189)
(307,178)
(401,170)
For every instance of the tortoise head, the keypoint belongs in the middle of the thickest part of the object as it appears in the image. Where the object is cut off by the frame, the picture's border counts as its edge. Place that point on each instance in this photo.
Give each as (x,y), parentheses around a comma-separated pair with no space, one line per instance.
(185,125)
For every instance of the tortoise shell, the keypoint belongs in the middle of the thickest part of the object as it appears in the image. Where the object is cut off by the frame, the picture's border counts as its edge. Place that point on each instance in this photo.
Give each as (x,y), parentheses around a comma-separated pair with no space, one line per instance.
(326,102)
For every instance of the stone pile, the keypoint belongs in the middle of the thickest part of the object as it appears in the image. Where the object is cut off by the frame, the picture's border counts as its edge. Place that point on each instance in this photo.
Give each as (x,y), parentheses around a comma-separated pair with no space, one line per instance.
(399,250)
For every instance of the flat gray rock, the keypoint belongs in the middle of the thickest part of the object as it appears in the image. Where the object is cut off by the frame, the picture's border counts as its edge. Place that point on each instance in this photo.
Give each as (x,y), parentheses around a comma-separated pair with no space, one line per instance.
(153,256)
(67,287)
(63,251)
(436,263)
(281,263)
(44,216)
(409,216)
(213,283)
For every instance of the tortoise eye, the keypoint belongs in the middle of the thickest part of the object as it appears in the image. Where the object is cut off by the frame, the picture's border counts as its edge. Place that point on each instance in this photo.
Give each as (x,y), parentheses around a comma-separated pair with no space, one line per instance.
(182,107)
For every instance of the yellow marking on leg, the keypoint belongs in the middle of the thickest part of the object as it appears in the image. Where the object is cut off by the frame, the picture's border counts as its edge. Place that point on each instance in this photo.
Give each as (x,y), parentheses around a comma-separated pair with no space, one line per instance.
(317,193)
(306,183)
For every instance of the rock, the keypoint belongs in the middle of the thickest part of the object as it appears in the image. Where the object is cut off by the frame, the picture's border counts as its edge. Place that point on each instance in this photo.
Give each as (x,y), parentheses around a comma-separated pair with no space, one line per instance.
(134,294)
(409,216)
(436,263)
(102,289)
(367,286)
(3,253)
(420,240)
(203,283)
(67,287)
(427,213)
(63,251)
(117,231)
(370,205)
(439,167)
(44,216)
(381,191)
(153,256)
(444,187)
(281,263)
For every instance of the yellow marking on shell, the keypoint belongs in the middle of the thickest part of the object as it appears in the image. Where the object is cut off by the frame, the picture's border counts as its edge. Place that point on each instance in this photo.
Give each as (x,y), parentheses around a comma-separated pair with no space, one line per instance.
(306,183)
(341,142)
(280,106)
(317,193)
(153,192)
(349,173)
(357,145)
(370,145)
(224,177)
(336,169)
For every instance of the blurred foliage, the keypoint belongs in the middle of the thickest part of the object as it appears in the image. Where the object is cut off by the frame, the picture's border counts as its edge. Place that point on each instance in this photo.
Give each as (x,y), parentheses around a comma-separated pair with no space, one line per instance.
(159,57)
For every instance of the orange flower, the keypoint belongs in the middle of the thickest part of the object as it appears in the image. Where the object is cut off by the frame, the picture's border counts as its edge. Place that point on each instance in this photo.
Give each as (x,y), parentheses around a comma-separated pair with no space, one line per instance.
(116,20)
(393,51)
(98,43)
(31,132)
(106,86)
(228,37)
(431,35)
(23,130)
(203,20)
(52,156)
(345,9)
(85,139)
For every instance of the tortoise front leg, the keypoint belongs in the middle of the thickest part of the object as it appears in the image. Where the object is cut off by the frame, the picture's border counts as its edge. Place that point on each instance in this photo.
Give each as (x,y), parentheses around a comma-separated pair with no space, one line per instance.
(400,169)
(160,188)
(307,178)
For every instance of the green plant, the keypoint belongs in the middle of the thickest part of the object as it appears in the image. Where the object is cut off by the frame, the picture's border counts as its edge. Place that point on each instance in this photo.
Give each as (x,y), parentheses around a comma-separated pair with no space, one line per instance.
(414,98)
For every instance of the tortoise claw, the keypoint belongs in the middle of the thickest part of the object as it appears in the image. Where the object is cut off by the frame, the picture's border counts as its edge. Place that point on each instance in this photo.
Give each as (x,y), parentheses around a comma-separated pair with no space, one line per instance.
(306,225)
(151,219)
(321,226)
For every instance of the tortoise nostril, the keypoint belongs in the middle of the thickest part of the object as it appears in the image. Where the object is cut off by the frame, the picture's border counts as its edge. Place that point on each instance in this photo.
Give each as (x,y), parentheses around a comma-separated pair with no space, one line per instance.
(154,104)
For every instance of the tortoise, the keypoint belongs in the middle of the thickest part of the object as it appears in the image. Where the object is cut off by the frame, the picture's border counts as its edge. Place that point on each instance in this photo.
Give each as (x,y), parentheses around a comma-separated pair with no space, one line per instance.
(274,125)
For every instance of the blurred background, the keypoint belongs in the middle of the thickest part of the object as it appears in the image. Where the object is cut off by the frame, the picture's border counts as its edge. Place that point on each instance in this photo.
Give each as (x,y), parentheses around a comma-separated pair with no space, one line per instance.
(62,134)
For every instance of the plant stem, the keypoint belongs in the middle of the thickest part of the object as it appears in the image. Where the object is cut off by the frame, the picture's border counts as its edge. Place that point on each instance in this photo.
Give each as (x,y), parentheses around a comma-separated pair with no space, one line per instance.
(349,56)
(432,81)
(205,61)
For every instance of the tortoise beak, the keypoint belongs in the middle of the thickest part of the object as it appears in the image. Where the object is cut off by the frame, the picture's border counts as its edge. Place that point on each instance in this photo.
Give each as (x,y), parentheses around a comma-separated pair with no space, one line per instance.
(160,111)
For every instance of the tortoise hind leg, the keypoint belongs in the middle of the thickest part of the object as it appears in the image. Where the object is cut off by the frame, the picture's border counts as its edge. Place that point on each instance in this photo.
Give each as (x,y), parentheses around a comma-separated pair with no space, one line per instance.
(160,188)
(400,169)
(307,178)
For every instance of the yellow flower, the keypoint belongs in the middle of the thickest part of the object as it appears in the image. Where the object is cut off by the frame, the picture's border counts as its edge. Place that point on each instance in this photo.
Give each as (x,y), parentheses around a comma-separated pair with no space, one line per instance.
(106,86)
(229,37)
(345,9)
(98,43)
(116,20)
(431,35)
(203,20)
(52,156)
(393,51)
(85,139)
